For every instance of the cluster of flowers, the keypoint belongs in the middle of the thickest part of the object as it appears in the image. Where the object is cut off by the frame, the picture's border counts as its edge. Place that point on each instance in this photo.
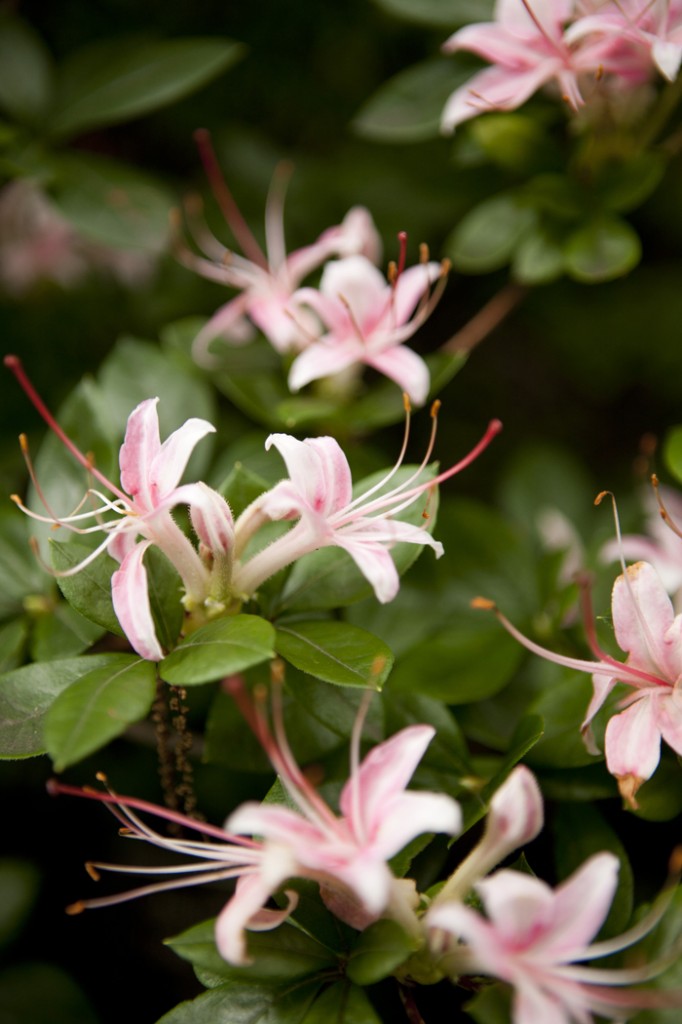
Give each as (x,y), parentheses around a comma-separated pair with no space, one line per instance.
(231,563)
(568,43)
(355,318)
(532,937)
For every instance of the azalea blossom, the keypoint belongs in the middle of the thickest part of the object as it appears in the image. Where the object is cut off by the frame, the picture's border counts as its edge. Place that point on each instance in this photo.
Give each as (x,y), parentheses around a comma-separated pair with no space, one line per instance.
(367,320)
(319,494)
(345,853)
(647,629)
(653,32)
(266,281)
(141,515)
(537,939)
(530,46)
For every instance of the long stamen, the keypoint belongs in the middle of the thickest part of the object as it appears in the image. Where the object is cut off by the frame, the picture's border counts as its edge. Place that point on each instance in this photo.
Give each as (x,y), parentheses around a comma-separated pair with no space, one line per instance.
(406,497)
(665,515)
(607,667)
(14,364)
(355,739)
(146,890)
(274,217)
(228,207)
(392,472)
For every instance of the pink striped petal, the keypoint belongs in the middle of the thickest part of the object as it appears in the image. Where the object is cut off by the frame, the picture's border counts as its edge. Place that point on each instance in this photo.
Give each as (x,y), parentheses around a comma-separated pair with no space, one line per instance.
(140,447)
(633,740)
(130,598)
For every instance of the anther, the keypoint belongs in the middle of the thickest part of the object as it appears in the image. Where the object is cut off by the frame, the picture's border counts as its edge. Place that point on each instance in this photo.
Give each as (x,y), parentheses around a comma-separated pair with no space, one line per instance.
(483,604)
(435,408)
(92,871)
(600,497)
(407,405)
(75,908)
(101,777)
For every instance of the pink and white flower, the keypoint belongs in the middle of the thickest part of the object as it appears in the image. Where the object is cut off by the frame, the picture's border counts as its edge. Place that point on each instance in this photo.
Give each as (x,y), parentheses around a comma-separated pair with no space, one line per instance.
(647,629)
(367,320)
(532,43)
(537,938)
(345,853)
(266,280)
(142,515)
(319,494)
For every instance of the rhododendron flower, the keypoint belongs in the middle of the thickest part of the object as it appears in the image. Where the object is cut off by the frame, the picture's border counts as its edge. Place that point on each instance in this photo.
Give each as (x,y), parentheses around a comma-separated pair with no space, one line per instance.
(536,939)
(319,494)
(367,320)
(266,280)
(529,47)
(647,629)
(142,516)
(661,546)
(346,854)
(653,31)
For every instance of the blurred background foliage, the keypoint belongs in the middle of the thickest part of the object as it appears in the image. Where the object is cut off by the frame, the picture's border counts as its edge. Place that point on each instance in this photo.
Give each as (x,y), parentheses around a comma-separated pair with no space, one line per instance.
(585,378)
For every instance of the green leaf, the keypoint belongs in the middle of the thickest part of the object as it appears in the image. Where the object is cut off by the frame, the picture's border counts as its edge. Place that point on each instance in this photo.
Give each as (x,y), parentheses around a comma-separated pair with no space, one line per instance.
(88,590)
(330,579)
(165,592)
(62,633)
(13,636)
(342,1004)
(335,707)
(27,693)
(218,649)
(112,204)
(660,798)
(135,370)
(26,87)
(486,238)
(408,107)
(335,652)
(468,660)
(379,950)
(242,487)
(516,142)
(283,954)
(247,1003)
(562,705)
(624,185)
(20,571)
(121,79)
(492,1005)
(672,452)
(538,259)
(602,250)
(439,13)
(98,707)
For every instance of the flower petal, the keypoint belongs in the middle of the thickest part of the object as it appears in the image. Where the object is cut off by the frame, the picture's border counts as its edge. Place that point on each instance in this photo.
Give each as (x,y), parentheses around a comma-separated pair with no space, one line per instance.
(633,740)
(406,368)
(140,447)
(169,464)
(130,598)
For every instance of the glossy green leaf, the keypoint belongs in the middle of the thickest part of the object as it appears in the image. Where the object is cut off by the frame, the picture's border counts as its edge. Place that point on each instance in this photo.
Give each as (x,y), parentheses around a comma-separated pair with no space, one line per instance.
(439,13)
(247,1003)
(469,660)
(492,1005)
(283,954)
(625,184)
(165,597)
(219,649)
(408,107)
(13,636)
(335,652)
(538,259)
(98,707)
(562,705)
(660,798)
(135,370)
(379,950)
(88,590)
(62,633)
(27,693)
(486,238)
(20,571)
(335,707)
(342,1003)
(602,250)
(242,487)
(26,87)
(120,79)
(112,204)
